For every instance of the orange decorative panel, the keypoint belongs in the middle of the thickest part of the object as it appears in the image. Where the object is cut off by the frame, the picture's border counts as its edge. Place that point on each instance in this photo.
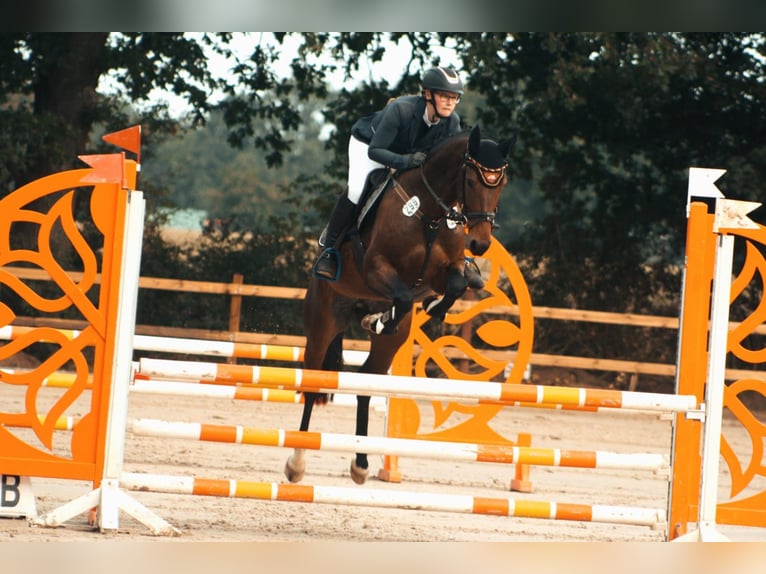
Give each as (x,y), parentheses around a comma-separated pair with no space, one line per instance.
(28,445)
(478,342)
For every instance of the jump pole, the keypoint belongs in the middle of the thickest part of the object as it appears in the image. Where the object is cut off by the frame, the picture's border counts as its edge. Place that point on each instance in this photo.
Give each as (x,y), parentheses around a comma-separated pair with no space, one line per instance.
(381,498)
(415,387)
(438,450)
(189,346)
(186,388)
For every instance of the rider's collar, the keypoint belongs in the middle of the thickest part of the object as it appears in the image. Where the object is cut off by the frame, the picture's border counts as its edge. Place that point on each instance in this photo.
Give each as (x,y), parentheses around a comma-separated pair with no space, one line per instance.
(428,121)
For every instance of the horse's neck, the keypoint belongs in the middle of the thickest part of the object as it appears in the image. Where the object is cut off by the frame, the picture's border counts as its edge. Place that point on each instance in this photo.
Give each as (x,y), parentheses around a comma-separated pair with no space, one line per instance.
(444,183)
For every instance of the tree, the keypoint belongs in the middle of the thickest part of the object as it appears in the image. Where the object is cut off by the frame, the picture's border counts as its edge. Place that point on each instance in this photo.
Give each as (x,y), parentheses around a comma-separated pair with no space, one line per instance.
(609,124)
(52,105)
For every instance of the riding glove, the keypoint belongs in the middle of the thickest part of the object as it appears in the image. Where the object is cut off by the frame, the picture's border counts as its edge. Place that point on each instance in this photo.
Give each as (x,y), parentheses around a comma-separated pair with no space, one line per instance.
(416,159)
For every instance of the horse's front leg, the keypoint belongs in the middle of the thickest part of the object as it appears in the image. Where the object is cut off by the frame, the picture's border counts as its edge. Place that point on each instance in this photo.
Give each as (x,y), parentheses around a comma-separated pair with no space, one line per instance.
(387,283)
(436,306)
(324,350)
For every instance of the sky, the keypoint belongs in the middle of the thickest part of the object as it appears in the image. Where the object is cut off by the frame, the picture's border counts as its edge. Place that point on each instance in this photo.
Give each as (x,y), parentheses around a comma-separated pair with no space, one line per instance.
(390,68)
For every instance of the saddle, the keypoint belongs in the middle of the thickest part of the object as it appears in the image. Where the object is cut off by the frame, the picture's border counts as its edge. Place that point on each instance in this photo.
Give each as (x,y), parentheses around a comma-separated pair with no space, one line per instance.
(377,181)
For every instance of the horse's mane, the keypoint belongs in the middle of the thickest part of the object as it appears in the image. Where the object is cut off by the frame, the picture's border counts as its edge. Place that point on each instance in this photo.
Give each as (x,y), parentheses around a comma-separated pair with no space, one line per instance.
(448,140)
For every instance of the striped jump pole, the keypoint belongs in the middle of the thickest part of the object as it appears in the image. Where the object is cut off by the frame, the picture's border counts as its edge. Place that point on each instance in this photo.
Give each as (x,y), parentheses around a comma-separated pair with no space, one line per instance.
(248,393)
(177,345)
(380,498)
(54,380)
(339,398)
(187,346)
(218,348)
(438,450)
(416,387)
(186,388)
(62,423)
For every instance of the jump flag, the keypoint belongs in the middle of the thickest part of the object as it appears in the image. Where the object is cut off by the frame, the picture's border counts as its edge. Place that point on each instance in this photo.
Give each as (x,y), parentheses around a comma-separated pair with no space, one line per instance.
(128,139)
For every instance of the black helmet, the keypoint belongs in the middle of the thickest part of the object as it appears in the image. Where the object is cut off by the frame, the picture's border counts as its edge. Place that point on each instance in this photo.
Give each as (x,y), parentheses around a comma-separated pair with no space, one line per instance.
(443,80)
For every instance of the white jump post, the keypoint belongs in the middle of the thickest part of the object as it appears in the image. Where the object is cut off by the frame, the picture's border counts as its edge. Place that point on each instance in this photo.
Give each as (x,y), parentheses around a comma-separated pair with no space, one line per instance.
(729,215)
(108,498)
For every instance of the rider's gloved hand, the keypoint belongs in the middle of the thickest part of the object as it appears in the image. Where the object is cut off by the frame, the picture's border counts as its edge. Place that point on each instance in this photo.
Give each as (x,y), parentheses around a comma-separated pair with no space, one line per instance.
(416,159)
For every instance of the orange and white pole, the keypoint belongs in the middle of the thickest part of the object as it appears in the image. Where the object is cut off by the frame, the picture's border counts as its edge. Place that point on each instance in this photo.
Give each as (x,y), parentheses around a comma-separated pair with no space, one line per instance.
(415,387)
(380,498)
(439,450)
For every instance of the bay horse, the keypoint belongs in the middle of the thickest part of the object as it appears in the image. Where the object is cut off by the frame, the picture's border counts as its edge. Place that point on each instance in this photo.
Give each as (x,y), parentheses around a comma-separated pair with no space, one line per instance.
(413,251)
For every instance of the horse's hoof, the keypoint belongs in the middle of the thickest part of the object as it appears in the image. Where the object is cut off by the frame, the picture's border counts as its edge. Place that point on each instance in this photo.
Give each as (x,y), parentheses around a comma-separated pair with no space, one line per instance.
(358,474)
(294,473)
(472,274)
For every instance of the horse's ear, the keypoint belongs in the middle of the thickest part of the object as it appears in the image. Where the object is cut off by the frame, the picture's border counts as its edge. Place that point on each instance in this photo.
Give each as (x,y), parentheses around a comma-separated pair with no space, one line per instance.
(507,145)
(474,140)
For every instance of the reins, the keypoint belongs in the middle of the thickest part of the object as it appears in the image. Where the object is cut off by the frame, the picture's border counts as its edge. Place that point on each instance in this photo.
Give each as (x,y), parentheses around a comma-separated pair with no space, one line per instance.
(491,177)
(450,213)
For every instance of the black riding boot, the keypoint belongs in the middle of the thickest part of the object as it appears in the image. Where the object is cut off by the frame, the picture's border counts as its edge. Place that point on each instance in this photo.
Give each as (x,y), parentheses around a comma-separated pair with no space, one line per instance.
(327,265)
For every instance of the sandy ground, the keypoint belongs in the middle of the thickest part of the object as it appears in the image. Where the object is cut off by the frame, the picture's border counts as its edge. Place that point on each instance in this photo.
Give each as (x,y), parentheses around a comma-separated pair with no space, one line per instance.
(210,519)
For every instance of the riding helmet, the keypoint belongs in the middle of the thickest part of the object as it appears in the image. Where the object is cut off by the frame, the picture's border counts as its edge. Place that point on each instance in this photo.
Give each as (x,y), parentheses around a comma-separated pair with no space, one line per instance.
(442,79)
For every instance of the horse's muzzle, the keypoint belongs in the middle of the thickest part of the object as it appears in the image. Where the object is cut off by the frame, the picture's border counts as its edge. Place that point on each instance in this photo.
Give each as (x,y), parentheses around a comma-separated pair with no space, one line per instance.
(477,246)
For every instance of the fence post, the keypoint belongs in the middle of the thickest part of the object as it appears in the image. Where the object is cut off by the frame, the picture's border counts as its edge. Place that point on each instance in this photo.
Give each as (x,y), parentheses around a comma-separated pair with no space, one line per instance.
(235,310)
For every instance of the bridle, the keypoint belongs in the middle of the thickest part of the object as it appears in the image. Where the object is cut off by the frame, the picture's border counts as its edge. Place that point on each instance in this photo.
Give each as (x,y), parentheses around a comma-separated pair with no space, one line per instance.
(452,216)
(491,177)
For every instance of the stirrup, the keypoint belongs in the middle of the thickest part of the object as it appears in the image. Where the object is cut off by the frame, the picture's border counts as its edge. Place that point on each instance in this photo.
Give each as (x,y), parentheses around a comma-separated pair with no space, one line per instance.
(328,253)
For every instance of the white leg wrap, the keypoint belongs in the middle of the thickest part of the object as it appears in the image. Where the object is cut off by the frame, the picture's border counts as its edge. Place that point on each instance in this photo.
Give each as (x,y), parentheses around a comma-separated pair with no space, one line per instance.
(433,304)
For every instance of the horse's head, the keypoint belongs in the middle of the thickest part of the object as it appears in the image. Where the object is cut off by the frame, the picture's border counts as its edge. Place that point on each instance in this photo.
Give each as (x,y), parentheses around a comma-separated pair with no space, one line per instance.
(485,177)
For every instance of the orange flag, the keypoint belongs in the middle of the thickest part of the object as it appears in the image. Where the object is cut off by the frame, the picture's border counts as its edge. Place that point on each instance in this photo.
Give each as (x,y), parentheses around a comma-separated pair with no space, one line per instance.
(107,168)
(129,139)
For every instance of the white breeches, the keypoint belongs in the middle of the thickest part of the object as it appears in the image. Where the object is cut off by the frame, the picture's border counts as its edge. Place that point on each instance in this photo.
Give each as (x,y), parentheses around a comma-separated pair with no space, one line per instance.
(359,165)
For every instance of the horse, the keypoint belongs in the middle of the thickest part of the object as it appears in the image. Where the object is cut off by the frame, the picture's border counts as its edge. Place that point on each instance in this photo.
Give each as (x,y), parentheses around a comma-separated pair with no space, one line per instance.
(412,251)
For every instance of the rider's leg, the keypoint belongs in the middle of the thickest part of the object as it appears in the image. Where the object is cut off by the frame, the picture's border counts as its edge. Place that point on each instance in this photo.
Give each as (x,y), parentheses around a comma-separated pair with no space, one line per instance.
(326,265)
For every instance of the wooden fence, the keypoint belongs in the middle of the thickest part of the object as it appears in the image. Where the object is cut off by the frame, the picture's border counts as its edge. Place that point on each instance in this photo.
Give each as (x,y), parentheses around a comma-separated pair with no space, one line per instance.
(236,290)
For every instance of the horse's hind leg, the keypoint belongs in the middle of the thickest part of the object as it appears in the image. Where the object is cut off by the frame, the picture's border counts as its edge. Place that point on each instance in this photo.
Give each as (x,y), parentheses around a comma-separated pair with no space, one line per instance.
(324,350)
(295,467)
(359,464)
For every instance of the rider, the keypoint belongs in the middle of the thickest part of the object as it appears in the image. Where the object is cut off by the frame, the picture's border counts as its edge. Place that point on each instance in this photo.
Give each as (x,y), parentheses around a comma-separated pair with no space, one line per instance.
(394,137)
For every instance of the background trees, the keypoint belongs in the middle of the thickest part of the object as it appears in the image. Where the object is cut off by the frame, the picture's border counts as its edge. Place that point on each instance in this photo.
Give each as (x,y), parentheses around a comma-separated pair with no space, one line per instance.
(608,124)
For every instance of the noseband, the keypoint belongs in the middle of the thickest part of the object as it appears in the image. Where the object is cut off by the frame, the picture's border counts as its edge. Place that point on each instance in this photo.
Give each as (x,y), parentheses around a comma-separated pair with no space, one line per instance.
(491,177)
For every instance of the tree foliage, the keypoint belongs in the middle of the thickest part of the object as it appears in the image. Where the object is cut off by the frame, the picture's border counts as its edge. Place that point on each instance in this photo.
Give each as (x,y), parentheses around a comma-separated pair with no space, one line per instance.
(608,124)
